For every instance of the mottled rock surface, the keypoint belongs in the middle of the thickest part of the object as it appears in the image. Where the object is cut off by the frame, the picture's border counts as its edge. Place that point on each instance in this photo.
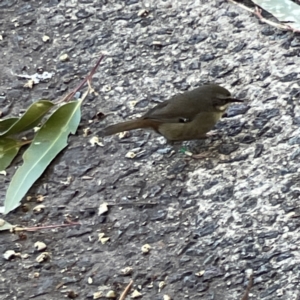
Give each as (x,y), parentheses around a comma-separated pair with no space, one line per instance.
(236,210)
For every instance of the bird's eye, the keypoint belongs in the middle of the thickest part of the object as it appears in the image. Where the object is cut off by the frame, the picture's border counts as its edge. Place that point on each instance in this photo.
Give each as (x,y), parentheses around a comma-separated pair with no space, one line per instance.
(183,120)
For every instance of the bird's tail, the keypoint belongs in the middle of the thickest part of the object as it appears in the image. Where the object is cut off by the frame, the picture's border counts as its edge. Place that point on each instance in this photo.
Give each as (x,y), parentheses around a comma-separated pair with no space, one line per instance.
(125,126)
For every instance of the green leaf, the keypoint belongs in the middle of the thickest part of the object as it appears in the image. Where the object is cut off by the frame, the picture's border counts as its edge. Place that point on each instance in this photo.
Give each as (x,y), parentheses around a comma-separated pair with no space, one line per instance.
(8,150)
(48,142)
(5,225)
(7,123)
(30,119)
(283,10)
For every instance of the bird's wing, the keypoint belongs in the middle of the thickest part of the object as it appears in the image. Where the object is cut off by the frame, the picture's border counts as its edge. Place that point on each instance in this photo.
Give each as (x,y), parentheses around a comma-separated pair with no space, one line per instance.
(174,110)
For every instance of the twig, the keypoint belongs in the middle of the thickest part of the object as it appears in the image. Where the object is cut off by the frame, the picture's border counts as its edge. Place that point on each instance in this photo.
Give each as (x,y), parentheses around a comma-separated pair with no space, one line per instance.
(126,291)
(59,285)
(133,203)
(249,286)
(23,143)
(241,5)
(68,97)
(257,11)
(18,229)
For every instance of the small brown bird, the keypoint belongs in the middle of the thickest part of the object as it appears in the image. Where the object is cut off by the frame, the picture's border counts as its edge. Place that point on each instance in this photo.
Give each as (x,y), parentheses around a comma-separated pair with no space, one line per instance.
(184,117)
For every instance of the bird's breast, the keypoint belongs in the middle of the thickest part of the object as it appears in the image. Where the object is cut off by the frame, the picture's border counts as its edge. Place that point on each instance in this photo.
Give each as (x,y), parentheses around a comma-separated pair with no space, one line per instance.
(196,129)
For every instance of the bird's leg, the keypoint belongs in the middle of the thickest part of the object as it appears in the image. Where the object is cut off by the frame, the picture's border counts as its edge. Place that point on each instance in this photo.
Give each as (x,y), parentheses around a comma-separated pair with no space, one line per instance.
(171,143)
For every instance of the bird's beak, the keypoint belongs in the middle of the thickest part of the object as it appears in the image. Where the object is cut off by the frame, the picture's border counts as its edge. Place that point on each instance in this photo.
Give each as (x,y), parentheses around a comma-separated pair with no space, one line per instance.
(234,100)
(228,99)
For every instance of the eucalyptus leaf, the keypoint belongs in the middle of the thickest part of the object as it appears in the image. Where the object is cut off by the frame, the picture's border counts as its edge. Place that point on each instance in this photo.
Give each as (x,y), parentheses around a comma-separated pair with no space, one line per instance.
(30,119)
(5,225)
(8,150)
(283,10)
(7,123)
(48,142)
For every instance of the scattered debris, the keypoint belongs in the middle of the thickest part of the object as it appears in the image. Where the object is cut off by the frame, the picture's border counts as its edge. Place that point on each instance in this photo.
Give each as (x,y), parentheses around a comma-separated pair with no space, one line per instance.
(40,198)
(64,57)
(39,208)
(42,257)
(143,13)
(102,238)
(36,78)
(146,248)
(68,181)
(10,254)
(72,295)
(130,154)
(161,285)
(86,131)
(19,229)
(97,295)
(201,273)
(126,291)
(95,141)
(111,295)
(136,294)
(40,246)
(103,208)
(127,271)
(45,38)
